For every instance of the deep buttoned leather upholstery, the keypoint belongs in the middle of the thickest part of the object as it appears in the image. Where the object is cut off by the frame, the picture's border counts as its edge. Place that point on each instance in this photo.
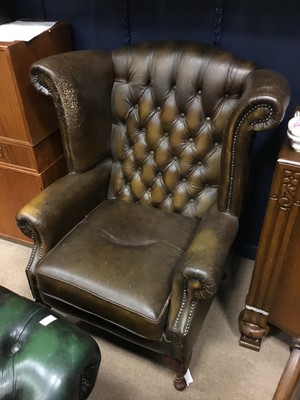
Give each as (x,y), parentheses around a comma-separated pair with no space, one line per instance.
(43,359)
(156,135)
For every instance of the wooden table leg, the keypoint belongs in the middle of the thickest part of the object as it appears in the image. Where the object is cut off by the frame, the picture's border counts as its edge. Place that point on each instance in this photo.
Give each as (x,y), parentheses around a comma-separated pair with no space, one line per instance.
(291,374)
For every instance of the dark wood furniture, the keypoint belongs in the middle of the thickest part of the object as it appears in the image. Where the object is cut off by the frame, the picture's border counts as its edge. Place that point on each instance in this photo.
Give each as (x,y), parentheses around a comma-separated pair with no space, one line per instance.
(274,293)
(31,155)
(289,384)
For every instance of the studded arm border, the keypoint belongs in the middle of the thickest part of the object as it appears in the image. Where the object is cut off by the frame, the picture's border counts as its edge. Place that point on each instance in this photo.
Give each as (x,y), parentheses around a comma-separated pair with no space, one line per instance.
(262,107)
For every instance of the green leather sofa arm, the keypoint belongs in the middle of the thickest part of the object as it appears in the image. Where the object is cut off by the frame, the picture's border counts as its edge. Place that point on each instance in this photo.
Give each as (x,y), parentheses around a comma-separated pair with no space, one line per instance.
(43,356)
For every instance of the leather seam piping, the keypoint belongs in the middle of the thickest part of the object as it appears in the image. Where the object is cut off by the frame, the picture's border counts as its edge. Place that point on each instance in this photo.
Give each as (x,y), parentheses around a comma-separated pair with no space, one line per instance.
(183,302)
(101,317)
(156,323)
(232,166)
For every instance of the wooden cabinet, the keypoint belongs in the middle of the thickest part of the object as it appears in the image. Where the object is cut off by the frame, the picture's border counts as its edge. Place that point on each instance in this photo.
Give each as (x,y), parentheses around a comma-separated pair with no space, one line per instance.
(274,292)
(31,153)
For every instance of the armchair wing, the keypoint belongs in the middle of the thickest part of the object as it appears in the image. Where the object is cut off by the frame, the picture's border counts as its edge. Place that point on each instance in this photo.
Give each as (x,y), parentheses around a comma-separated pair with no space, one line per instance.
(79,84)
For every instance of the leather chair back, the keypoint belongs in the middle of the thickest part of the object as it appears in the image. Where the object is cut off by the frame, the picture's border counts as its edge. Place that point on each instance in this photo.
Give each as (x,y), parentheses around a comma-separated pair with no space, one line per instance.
(170,104)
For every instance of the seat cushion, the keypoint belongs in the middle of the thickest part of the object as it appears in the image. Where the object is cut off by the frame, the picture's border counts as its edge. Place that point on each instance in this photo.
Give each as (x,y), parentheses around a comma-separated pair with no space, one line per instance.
(118,263)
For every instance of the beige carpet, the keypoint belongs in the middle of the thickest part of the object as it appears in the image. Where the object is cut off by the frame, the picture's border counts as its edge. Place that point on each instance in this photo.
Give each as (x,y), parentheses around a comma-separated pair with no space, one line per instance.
(221,369)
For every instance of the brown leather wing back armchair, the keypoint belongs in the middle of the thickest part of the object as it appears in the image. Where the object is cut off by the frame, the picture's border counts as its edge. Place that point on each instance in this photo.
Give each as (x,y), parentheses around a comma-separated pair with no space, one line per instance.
(134,239)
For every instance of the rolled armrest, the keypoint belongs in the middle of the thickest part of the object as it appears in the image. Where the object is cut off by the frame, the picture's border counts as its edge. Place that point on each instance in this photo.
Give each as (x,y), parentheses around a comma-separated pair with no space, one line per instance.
(269,92)
(57,209)
(199,275)
(261,107)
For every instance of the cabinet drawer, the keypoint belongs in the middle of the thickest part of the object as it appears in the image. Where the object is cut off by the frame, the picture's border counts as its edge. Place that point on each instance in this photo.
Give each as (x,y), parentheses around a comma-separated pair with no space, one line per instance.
(17,155)
(37,158)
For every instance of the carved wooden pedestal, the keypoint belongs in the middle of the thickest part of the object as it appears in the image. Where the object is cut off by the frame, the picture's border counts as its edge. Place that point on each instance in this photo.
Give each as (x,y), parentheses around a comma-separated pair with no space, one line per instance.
(274,293)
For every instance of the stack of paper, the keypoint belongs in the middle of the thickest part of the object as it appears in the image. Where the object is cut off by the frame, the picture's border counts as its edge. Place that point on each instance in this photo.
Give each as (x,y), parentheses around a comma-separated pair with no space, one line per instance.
(23,30)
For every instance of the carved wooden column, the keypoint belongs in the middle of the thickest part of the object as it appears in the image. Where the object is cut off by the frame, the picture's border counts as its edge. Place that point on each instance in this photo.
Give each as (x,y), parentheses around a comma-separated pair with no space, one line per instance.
(274,293)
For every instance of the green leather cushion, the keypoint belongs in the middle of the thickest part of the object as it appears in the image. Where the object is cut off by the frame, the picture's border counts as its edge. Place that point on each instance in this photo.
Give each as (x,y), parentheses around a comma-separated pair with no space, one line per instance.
(40,361)
(110,263)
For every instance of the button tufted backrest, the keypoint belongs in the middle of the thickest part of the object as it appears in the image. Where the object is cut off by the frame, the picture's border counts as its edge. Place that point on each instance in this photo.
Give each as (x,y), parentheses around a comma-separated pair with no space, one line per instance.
(170,106)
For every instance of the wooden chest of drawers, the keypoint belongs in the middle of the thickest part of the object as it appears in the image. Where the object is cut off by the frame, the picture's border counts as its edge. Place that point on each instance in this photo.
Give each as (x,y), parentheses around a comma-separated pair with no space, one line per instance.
(31,154)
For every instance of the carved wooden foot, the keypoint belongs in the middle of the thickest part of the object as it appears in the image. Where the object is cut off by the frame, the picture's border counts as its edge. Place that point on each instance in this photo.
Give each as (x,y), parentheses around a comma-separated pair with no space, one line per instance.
(179,382)
(250,343)
(180,369)
(251,333)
